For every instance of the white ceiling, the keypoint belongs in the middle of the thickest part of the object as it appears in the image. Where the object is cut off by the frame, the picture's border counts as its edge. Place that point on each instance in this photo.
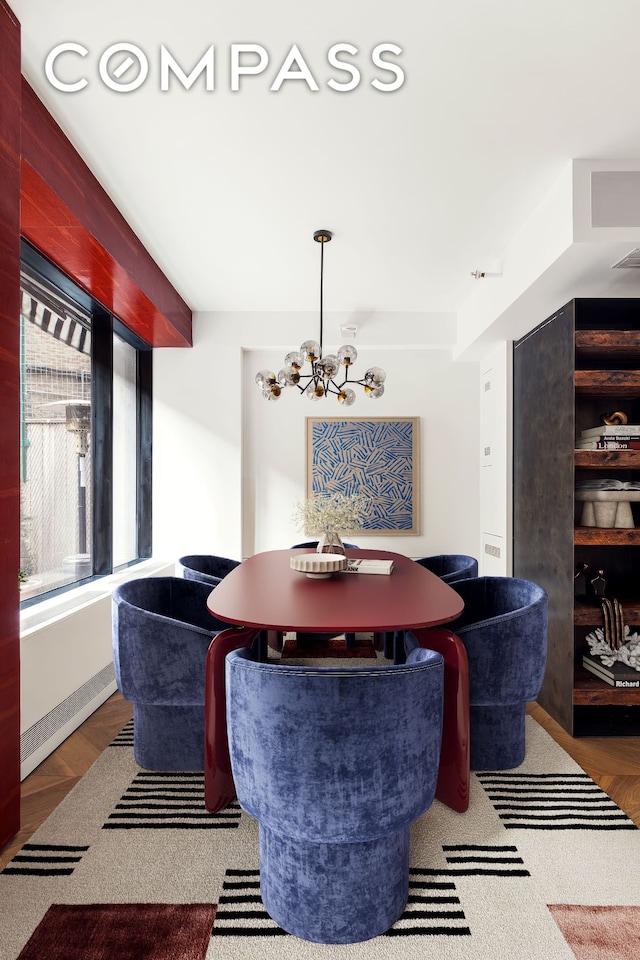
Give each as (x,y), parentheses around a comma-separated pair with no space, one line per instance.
(420,186)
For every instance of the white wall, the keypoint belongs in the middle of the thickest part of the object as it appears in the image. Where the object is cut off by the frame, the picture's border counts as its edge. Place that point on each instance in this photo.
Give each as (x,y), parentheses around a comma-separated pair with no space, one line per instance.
(495,558)
(228,466)
(197,445)
(66,661)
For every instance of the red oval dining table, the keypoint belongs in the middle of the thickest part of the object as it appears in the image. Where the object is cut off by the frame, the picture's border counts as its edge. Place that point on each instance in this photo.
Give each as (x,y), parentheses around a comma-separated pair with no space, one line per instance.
(263,593)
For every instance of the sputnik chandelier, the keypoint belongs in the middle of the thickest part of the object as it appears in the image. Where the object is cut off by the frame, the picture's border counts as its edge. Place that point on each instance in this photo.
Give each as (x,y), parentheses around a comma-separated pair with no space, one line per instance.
(324,371)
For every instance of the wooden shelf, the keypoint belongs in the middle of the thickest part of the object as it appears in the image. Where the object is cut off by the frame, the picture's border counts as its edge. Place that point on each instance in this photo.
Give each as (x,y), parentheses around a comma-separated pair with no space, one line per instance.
(580,363)
(608,344)
(607,383)
(606,347)
(608,459)
(590,614)
(588,690)
(606,536)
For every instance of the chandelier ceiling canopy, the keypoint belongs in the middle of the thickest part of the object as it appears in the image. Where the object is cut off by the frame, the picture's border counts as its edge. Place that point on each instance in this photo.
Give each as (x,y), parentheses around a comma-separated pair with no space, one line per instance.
(325,375)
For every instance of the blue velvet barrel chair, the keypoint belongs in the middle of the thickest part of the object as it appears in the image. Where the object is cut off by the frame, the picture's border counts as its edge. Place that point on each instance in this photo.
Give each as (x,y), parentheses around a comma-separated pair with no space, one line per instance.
(451,566)
(161,633)
(334,764)
(504,630)
(206,567)
(312,544)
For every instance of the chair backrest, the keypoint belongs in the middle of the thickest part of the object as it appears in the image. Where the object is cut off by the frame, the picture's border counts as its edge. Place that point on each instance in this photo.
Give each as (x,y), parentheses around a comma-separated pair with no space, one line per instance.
(161,633)
(487,598)
(169,598)
(340,754)
(451,566)
(207,568)
(504,629)
(312,544)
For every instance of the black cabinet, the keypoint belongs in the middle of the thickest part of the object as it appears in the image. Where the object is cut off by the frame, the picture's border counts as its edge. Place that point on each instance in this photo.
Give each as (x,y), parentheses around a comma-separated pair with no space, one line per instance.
(581,362)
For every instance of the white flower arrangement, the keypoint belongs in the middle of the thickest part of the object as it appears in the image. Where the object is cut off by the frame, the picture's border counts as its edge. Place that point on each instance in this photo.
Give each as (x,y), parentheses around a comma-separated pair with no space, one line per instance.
(336,511)
(628,653)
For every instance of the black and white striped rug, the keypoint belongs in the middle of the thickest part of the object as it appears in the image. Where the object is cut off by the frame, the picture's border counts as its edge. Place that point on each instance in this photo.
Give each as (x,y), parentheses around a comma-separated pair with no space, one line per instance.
(543,865)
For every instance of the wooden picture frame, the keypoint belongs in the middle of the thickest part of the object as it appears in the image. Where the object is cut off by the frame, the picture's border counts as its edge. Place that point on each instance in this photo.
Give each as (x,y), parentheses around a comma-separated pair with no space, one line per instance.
(375,457)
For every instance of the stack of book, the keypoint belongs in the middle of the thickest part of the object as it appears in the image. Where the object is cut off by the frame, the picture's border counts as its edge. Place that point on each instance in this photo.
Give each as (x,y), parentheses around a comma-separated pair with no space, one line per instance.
(617,675)
(369,566)
(619,436)
(608,483)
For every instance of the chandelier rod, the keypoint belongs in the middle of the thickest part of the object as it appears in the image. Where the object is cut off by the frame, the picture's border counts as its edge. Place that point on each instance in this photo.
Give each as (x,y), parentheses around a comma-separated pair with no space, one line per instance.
(321,290)
(322,243)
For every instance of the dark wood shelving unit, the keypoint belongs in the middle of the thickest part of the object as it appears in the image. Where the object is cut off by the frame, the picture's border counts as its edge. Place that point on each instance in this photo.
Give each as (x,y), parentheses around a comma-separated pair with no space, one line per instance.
(589,691)
(607,459)
(578,364)
(602,536)
(590,615)
(609,344)
(608,383)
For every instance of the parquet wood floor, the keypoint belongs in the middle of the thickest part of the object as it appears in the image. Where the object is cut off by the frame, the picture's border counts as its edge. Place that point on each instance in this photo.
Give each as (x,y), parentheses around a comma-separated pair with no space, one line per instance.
(613,762)
(52,780)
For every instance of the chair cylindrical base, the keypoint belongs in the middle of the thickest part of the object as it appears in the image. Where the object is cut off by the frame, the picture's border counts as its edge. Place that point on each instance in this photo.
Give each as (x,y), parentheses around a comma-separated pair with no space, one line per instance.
(497,738)
(303,888)
(168,737)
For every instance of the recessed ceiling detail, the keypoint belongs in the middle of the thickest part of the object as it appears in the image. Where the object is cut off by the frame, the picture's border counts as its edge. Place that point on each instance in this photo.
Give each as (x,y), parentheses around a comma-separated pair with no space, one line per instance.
(631,259)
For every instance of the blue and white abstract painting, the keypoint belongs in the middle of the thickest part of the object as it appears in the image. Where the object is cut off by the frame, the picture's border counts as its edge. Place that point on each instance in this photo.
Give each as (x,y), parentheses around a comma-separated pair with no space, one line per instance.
(376,458)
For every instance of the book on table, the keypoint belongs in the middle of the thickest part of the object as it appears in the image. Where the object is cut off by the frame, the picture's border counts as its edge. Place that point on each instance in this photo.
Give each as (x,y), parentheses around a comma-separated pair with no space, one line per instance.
(617,675)
(369,566)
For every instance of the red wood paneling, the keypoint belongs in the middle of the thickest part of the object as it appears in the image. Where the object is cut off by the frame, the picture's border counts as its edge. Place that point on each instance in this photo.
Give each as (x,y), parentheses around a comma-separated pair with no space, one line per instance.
(68,216)
(9,424)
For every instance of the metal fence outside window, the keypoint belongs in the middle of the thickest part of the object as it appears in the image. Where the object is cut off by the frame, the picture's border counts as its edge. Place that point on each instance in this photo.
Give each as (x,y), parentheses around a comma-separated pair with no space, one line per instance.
(55,534)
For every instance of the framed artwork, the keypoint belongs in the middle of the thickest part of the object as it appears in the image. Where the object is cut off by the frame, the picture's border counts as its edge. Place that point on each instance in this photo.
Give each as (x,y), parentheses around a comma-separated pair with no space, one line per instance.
(376,457)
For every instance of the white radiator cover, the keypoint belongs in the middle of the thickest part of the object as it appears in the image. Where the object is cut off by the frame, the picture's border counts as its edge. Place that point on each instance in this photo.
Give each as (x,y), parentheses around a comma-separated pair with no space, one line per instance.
(66,662)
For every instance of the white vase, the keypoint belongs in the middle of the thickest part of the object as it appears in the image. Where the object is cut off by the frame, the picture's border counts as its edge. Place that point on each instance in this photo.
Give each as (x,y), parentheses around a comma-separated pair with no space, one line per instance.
(330,542)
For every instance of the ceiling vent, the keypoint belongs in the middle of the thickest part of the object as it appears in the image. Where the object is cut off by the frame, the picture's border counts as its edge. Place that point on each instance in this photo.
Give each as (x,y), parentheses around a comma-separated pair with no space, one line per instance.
(631,259)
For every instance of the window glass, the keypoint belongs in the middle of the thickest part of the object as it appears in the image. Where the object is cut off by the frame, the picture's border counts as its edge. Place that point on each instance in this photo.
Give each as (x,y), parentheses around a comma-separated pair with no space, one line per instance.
(55,425)
(125,447)
(85,420)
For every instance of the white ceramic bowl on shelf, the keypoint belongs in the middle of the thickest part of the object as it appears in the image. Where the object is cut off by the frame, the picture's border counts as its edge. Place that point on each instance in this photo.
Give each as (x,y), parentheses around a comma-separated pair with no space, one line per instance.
(318,566)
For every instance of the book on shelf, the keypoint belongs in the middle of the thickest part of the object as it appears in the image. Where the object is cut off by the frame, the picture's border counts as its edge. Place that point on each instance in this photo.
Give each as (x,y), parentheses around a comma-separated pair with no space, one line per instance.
(633,445)
(611,430)
(617,675)
(369,566)
(608,483)
(609,443)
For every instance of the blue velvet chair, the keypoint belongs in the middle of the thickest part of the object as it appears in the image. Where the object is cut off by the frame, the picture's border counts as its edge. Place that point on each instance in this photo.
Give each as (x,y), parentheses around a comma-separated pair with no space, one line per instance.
(206,567)
(451,566)
(312,544)
(161,633)
(334,764)
(504,630)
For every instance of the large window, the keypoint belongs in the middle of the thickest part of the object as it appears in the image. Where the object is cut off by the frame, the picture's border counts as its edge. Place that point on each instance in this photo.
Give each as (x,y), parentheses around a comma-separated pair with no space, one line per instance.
(125,447)
(85,433)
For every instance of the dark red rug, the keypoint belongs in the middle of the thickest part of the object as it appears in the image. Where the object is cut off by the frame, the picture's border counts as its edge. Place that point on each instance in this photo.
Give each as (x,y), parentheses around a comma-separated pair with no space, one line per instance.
(122,931)
(314,646)
(599,933)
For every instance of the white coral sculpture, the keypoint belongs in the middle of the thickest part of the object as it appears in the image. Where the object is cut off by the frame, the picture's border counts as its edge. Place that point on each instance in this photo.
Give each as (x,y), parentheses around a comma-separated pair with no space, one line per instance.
(628,653)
